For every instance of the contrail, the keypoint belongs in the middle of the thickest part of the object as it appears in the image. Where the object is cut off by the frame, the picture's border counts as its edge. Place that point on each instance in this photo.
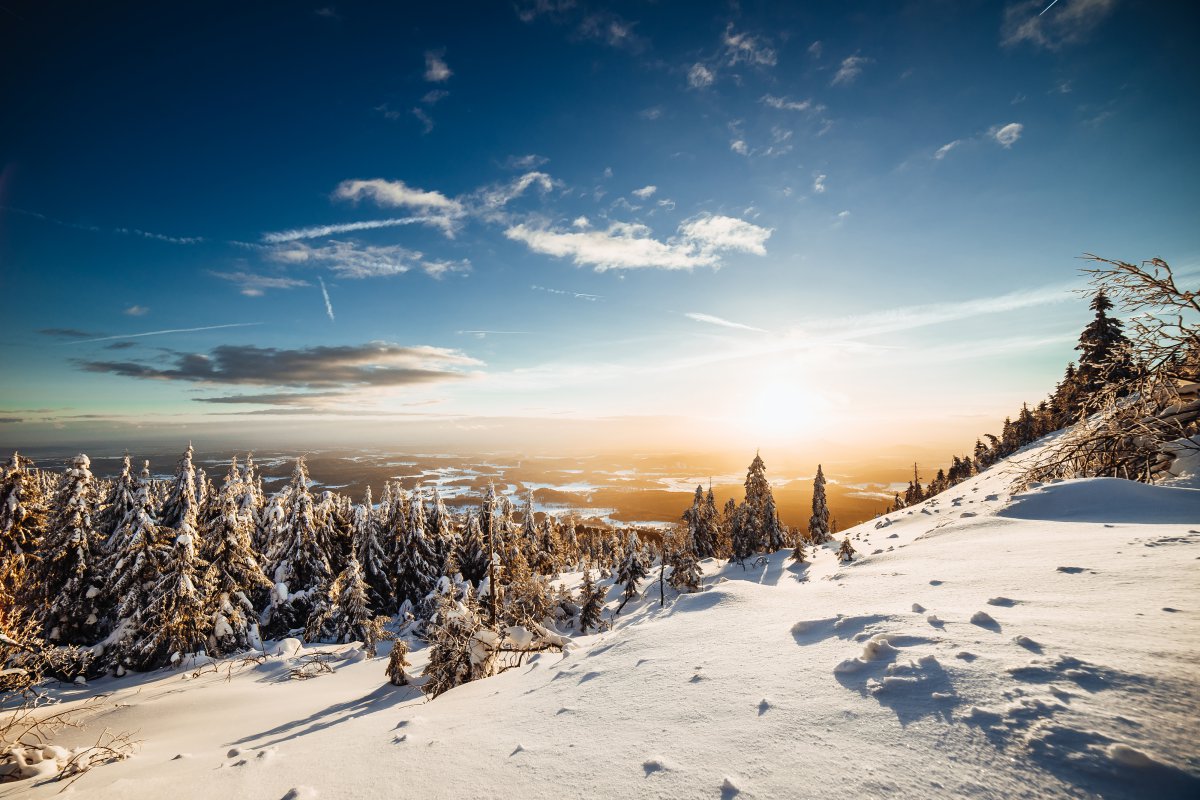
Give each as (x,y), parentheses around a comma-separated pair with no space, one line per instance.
(1047,8)
(160,333)
(325,292)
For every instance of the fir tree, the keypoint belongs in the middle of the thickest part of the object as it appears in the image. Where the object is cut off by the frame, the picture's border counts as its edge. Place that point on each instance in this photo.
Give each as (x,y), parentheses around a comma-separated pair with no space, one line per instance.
(760,525)
(174,621)
(119,501)
(632,570)
(591,603)
(182,497)
(234,577)
(470,555)
(397,661)
(134,567)
(846,551)
(372,555)
(350,618)
(818,523)
(72,552)
(415,561)
(299,564)
(440,531)
(460,649)
(685,569)
(1104,350)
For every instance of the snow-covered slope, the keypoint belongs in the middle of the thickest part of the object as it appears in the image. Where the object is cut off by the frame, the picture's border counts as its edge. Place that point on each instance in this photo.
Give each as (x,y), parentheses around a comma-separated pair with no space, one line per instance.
(1043,645)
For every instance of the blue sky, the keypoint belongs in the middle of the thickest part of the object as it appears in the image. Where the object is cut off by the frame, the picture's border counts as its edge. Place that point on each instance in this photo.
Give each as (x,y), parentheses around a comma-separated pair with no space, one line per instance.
(562,223)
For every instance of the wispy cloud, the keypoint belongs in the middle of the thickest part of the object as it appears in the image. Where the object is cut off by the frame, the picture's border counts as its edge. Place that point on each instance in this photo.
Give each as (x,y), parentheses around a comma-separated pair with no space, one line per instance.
(784,104)
(396,194)
(850,69)
(652,113)
(1007,135)
(700,76)
(426,120)
(1053,25)
(325,294)
(698,242)
(322,231)
(819,184)
(945,149)
(354,260)
(526,162)
(591,298)
(436,70)
(97,229)
(253,285)
(645,192)
(66,333)
(167,331)
(721,322)
(378,364)
(160,237)
(745,48)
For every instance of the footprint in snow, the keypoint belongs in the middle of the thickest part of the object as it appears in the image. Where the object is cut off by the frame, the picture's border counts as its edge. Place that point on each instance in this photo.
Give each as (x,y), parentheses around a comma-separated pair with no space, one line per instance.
(654,765)
(1071,570)
(590,676)
(917,608)
(936,583)
(300,793)
(1002,601)
(933,620)
(729,789)
(764,706)
(1028,644)
(985,620)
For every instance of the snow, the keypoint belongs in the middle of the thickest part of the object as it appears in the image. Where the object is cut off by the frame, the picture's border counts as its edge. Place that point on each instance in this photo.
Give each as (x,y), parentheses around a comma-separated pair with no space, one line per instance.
(880,676)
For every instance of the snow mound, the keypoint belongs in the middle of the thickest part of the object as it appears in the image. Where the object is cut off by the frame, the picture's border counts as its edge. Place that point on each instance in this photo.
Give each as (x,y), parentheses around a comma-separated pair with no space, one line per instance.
(1106,500)
(877,648)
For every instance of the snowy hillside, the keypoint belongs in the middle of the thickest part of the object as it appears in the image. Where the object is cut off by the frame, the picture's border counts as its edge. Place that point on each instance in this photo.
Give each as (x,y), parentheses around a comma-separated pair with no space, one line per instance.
(983,645)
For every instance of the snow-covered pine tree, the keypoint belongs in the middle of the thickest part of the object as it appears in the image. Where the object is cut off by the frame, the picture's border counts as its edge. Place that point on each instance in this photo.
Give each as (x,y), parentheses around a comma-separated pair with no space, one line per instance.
(235,579)
(415,565)
(439,527)
(1104,351)
(570,543)
(251,500)
(22,522)
(818,523)
(591,602)
(743,537)
(761,528)
(846,551)
(175,621)
(119,502)
(546,559)
(299,565)
(135,565)
(397,661)
(525,597)
(350,618)
(529,532)
(334,530)
(372,556)
(460,648)
(469,555)
(182,496)
(633,569)
(685,568)
(68,573)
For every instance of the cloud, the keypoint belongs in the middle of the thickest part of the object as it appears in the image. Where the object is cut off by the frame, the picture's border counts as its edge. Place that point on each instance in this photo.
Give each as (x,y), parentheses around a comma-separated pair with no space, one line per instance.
(645,192)
(744,48)
(160,237)
(784,104)
(167,331)
(376,364)
(613,31)
(498,196)
(624,245)
(271,398)
(652,113)
(724,323)
(325,294)
(396,194)
(842,216)
(433,96)
(591,298)
(120,345)
(321,231)
(819,184)
(529,10)
(945,149)
(136,311)
(1007,135)
(525,162)
(700,76)
(739,146)
(851,68)
(253,285)
(353,260)
(814,49)
(1053,26)
(426,120)
(66,333)
(436,70)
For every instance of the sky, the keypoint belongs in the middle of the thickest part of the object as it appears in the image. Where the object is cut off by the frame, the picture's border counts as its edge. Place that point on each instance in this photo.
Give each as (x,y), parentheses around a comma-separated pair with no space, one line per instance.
(560,225)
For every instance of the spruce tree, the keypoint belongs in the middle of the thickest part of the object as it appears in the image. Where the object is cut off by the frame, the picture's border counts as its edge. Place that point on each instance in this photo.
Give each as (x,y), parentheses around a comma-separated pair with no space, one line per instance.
(133,568)
(350,618)
(22,522)
(235,579)
(685,569)
(591,602)
(760,525)
(182,497)
(72,551)
(397,661)
(372,555)
(633,568)
(1104,351)
(846,551)
(299,564)
(415,566)
(119,501)
(470,555)
(440,531)
(818,523)
(175,621)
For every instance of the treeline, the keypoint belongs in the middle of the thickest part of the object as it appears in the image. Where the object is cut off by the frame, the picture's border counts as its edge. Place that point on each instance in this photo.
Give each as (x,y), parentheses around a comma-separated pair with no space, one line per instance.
(1108,370)
(135,573)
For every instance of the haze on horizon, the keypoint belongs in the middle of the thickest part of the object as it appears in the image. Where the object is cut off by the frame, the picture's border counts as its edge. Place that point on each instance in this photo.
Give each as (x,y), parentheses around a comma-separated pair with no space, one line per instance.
(563,226)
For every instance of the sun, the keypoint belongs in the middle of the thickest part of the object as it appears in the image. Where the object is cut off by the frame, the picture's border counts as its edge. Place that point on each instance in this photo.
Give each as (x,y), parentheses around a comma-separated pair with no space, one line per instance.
(781,410)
